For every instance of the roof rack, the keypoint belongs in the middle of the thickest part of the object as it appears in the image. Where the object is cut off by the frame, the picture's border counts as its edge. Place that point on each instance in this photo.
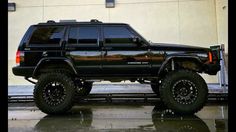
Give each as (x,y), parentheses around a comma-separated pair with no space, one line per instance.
(51,21)
(72,20)
(95,20)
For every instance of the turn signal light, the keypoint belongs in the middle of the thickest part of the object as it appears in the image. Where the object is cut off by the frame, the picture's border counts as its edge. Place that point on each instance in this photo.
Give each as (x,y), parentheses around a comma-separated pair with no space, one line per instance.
(210,56)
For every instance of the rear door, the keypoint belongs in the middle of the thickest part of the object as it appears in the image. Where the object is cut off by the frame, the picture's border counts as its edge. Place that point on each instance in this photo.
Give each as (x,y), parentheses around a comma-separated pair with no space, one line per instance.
(83,49)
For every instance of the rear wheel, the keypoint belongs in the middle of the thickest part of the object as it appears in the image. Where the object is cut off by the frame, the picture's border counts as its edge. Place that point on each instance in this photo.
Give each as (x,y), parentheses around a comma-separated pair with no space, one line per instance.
(184,91)
(155,87)
(83,88)
(54,93)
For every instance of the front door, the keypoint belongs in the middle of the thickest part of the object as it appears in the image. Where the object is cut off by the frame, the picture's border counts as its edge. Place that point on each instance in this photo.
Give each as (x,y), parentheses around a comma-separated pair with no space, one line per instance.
(121,55)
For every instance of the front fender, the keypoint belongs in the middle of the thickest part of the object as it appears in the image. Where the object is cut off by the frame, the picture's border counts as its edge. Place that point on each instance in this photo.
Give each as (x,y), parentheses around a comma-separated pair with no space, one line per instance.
(169,58)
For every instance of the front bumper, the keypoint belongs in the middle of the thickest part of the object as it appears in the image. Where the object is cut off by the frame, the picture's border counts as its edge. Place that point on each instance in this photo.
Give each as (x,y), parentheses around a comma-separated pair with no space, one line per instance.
(23,71)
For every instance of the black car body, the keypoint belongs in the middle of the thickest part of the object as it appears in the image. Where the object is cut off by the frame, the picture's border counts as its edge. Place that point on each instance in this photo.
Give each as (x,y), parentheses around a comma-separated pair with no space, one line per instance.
(106,51)
(104,57)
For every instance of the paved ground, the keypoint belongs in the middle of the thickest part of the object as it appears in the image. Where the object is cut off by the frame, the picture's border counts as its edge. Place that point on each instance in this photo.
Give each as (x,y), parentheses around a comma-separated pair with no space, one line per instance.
(115,118)
(118,118)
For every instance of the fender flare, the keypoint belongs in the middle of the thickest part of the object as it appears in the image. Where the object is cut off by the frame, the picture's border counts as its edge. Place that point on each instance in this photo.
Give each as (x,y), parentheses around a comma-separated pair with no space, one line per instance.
(51,59)
(169,58)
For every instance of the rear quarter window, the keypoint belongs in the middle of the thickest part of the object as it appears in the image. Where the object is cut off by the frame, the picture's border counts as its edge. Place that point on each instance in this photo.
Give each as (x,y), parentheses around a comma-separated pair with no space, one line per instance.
(47,35)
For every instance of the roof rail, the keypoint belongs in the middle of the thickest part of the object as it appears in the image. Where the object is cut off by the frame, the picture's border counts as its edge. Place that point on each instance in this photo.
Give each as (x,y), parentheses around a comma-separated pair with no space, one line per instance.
(51,21)
(72,20)
(95,20)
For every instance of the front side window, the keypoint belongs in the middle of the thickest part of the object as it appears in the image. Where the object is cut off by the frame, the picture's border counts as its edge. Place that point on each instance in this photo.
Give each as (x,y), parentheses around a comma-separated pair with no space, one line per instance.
(83,36)
(47,35)
(118,35)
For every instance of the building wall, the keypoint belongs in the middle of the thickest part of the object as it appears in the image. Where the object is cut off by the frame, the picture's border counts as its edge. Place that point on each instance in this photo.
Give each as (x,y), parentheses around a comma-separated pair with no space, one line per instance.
(192,22)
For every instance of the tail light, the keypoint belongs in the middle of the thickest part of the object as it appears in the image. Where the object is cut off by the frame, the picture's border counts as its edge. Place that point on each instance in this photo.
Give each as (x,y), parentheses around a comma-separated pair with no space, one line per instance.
(19,57)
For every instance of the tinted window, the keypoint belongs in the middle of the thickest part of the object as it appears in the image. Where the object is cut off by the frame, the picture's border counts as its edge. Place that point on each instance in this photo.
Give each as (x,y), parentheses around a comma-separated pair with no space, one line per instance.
(83,36)
(47,35)
(117,35)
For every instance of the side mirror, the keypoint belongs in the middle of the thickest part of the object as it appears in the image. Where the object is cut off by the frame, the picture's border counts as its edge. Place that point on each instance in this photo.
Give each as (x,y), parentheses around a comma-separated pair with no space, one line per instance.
(136,40)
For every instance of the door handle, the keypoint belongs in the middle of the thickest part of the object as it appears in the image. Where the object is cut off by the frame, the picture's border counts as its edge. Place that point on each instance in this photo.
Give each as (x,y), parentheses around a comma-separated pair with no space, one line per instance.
(70,48)
(107,48)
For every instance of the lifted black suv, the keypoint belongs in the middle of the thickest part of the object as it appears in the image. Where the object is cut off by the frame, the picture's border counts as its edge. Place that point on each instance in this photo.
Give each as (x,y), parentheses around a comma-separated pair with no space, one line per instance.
(67,57)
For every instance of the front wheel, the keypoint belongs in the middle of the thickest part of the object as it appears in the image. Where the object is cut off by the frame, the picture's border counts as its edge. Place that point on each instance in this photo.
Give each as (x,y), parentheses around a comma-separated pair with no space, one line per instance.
(54,93)
(183,91)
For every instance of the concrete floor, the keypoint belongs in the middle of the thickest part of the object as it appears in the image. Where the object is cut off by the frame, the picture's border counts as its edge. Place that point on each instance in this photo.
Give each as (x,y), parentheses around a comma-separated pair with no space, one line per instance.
(114,117)
(118,118)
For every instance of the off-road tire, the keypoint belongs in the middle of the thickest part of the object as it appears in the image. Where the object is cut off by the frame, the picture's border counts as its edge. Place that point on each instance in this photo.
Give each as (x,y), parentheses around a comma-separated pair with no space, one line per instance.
(199,92)
(68,90)
(155,88)
(85,90)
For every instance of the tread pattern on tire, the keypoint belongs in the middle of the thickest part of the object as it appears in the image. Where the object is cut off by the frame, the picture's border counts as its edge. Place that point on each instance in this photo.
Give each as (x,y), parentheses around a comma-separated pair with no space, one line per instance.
(166,97)
(155,89)
(87,87)
(38,93)
(85,91)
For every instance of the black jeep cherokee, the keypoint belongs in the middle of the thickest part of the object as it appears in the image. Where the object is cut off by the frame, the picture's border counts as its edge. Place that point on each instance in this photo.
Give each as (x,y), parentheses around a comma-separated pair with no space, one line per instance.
(67,57)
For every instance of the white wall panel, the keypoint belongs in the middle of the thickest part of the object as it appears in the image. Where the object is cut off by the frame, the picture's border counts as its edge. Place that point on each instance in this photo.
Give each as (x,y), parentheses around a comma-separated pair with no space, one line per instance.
(191,22)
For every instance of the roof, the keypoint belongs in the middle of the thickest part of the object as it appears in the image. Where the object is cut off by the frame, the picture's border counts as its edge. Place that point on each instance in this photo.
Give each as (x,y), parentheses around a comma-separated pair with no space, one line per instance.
(74,22)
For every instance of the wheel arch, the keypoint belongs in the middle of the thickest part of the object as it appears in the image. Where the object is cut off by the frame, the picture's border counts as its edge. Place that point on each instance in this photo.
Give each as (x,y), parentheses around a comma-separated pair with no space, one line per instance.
(182,61)
(55,62)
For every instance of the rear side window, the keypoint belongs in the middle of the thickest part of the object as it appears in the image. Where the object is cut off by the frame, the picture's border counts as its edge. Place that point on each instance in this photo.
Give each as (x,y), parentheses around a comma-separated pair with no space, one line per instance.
(47,35)
(83,36)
